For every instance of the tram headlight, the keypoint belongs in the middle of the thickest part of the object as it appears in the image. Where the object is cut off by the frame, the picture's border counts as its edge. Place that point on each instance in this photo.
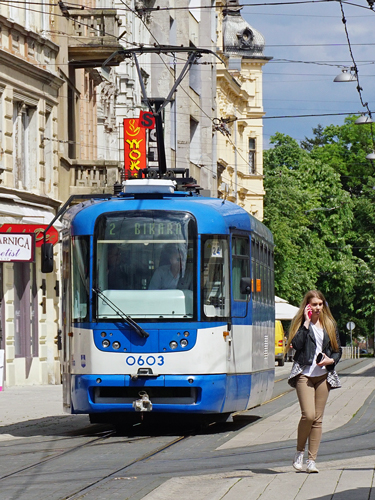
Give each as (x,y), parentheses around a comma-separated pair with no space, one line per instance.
(183,343)
(116,345)
(173,344)
(105,343)
(186,334)
(103,334)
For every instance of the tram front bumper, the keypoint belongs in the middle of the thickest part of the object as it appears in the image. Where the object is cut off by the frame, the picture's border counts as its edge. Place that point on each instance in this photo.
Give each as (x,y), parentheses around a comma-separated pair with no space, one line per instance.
(167,393)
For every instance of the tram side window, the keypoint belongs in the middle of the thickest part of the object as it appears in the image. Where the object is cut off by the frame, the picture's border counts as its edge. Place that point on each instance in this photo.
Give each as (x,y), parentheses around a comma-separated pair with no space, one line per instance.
(253,267)
(240,265)
(80,277)
(215,278)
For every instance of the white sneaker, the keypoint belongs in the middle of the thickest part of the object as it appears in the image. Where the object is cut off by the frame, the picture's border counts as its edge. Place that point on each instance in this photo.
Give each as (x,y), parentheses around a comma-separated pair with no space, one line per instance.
(311,466)
(298,460)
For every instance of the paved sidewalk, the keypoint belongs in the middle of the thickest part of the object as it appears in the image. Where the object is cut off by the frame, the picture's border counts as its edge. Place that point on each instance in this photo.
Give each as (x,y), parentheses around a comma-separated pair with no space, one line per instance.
(342,404)
(23,403)
(338,480)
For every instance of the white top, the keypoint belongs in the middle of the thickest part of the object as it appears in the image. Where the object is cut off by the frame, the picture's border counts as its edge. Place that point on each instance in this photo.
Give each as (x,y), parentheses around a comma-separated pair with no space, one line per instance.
(314,370)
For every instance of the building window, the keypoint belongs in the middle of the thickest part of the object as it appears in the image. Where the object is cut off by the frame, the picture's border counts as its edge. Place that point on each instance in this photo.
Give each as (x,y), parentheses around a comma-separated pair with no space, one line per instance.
(48,155)
(1,129)
(252,157)
(195,141)
(173,116)
(24,146)
(194,9)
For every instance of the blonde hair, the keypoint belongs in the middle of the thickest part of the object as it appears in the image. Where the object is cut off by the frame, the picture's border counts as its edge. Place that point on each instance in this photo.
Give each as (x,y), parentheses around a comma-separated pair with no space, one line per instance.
(326,319)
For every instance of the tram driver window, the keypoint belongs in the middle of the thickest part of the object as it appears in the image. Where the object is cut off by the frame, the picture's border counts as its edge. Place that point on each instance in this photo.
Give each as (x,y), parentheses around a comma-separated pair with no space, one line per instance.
(145,264)
(215,278)
(80,275)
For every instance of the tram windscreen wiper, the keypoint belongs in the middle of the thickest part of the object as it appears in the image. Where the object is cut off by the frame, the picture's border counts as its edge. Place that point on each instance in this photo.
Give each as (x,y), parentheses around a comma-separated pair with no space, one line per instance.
(127,319)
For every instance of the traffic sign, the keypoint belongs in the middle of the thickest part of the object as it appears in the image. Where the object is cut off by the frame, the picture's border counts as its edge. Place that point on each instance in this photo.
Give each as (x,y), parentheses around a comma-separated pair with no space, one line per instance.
(350,326)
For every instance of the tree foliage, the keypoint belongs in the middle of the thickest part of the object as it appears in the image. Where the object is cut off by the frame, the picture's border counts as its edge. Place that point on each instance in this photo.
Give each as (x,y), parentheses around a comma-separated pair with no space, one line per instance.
(319,204)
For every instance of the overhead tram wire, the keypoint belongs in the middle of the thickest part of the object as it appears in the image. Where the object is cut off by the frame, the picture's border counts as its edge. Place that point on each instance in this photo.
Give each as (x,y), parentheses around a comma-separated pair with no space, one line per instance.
(263,4)
(208,7)
(355,67)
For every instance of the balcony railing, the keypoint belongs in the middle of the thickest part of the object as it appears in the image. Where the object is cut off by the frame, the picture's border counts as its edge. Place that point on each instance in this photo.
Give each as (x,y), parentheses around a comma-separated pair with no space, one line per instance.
(93,176)
(93,37)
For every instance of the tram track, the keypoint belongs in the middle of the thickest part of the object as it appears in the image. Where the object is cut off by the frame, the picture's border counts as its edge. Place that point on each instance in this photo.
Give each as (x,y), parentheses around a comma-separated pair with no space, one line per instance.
(83,491)
(58,455)
(39,466)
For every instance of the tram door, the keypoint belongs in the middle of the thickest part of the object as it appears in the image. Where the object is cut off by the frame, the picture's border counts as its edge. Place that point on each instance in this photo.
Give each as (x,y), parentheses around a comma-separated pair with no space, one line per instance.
(241,329)
(66,323)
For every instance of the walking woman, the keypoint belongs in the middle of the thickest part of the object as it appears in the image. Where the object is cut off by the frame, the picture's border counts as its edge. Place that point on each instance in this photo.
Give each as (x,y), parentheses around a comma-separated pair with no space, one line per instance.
(313,334)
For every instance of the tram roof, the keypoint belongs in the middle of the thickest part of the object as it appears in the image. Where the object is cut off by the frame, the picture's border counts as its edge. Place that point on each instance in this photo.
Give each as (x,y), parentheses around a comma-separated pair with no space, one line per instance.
(213,215)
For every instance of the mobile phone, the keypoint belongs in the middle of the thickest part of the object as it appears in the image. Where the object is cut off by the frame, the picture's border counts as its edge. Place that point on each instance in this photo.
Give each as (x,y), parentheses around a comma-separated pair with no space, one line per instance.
(319,357)
(309,313)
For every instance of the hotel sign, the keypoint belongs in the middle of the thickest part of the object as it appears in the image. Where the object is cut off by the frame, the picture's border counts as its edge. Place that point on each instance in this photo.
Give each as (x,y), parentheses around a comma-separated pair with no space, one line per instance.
(17,247)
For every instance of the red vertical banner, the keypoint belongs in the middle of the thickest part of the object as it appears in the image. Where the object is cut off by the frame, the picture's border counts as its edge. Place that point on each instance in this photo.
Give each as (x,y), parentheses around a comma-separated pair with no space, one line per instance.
(134,147)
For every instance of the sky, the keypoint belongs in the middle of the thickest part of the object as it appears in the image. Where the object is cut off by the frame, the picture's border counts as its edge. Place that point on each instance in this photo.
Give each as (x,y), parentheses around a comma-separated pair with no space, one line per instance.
(314,34)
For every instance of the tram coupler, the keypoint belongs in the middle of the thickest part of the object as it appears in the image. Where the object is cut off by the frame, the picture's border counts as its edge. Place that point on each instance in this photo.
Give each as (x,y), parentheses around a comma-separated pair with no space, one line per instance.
(143,404)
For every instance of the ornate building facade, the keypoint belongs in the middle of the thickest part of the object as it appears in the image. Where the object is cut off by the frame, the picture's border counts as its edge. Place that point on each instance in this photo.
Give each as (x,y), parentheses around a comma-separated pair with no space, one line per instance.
(48,150)
(240,110)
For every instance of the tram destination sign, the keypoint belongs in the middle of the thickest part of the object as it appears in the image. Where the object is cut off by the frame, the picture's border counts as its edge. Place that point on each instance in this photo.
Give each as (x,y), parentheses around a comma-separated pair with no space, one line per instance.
(17,247)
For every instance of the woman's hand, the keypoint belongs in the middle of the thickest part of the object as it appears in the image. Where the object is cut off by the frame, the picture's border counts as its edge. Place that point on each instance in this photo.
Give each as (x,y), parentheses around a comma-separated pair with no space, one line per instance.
(307,313)
(326,361)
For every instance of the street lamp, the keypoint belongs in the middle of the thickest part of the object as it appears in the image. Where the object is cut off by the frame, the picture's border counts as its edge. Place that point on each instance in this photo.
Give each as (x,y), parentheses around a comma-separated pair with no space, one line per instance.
(346,75)
(363,119)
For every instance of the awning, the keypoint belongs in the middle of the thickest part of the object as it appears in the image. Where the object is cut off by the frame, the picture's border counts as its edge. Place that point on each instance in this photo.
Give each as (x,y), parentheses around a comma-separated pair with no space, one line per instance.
(284,310)
(14,210)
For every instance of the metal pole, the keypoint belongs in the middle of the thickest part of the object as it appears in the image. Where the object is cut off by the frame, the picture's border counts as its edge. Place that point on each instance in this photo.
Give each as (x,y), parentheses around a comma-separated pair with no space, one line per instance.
(235,161)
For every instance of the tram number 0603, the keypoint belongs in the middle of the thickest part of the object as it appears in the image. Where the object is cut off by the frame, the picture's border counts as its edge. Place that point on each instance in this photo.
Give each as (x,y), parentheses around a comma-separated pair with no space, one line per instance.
(145,361)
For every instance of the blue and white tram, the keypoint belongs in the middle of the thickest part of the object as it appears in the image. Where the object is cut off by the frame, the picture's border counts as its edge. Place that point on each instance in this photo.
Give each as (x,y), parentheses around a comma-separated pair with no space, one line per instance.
(142,332)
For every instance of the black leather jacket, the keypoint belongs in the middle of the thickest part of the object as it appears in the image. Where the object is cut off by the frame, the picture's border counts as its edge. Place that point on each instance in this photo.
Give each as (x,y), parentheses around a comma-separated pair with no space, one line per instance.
(305,346)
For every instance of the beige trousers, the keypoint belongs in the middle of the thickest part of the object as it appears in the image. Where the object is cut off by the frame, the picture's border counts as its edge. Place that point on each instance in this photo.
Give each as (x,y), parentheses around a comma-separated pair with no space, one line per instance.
(312,394)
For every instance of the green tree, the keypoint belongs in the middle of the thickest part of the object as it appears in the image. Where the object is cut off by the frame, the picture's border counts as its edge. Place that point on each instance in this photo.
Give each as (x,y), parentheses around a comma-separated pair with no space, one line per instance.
(310,215)
(344,149)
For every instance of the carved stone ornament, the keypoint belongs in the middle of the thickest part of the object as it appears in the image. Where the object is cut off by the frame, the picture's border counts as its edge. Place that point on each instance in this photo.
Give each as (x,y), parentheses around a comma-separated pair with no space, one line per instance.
(239,38)
(246,38)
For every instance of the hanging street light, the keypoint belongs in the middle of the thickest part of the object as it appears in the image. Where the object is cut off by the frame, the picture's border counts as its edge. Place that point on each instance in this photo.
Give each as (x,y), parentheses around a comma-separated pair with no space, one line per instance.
(346,75)
(364,118)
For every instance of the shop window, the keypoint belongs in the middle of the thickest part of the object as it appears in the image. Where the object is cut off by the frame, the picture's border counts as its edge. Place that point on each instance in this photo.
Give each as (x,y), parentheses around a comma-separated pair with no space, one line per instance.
(25,310)
(2,307)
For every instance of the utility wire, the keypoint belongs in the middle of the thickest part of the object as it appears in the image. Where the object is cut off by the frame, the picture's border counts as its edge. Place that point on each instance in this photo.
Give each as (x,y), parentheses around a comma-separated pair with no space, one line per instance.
(355,67)
(206,7)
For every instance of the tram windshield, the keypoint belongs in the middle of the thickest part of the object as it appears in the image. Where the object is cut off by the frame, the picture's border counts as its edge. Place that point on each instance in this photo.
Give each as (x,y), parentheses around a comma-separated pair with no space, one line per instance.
(145,262)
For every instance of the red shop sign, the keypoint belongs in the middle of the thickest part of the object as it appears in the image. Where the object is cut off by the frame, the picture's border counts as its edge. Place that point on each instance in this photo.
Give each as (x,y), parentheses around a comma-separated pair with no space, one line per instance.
(37,229)
(134,147)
